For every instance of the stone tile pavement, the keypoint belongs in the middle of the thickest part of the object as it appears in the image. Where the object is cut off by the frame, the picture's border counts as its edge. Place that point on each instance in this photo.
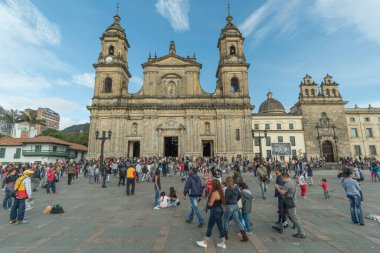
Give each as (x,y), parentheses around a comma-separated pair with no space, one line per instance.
(106,220)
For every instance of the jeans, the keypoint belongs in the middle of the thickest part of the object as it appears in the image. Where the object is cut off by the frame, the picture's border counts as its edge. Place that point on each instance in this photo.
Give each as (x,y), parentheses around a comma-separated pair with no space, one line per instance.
(377,176)
(216,217)
(156,196)
(50,184)
(186,173)
(247,222)
(263,187)
(131,181)
(194,209)
(355,203)
(18,210)
(232,211)
(36,183)
(7,203)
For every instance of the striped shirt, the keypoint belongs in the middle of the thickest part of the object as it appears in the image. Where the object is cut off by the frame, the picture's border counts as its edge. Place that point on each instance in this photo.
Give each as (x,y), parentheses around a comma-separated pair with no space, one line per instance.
(351,187)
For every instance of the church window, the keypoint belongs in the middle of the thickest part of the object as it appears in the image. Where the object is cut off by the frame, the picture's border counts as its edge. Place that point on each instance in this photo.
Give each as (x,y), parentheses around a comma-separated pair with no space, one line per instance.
(237,134)
(232,50)
(291,126)
(134,129)
(108,84)
(111,50)
(312,92)
(328,93)
(306,92)
(234,85)
(333,92)
(207,128)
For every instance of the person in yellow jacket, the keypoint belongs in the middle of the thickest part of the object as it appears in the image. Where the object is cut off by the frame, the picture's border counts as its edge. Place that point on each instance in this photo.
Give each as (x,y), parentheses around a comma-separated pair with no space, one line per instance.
(131,178)
(23,191)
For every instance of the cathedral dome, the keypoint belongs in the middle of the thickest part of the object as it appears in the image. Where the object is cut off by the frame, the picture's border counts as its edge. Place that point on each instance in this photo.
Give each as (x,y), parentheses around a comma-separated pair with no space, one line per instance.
(271,106)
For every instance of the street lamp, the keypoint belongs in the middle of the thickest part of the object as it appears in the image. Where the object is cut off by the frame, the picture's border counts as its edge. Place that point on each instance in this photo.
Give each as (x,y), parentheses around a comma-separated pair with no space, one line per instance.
(103,139)
(259,137)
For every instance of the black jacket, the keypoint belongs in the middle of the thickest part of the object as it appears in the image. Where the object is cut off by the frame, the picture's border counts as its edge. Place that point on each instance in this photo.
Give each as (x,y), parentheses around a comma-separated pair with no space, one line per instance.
(232,196)
(193,186)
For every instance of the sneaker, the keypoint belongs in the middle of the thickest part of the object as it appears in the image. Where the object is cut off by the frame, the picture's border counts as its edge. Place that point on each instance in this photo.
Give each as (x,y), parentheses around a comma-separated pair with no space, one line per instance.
(249,233)
(220,245)
(156,208)
(202,244)
(298,235)
(361,224)
(188,221)
(13,222)
(22,222)
(201,225)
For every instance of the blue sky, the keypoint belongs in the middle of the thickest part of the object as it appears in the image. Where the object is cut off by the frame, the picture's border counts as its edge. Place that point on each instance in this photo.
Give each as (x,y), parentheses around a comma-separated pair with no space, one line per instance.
(48,46)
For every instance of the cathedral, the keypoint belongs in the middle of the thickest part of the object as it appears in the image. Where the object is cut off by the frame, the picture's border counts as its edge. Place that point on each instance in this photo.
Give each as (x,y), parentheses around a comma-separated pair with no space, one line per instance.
(171,115)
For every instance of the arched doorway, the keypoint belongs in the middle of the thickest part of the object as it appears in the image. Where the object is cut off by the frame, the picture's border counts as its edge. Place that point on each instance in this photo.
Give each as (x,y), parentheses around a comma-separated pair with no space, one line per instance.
(328,151)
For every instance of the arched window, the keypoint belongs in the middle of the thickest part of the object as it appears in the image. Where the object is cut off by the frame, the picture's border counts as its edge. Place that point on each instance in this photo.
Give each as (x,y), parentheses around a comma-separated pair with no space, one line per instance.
(328,93)
(312,92)
(333,92)
(306,92)
(207,128)
(108,84)
(234,85)
(111,50)
(232,50)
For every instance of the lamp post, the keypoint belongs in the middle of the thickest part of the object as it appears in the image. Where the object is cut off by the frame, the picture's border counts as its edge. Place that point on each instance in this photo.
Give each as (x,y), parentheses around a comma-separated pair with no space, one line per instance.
(259,137)
(103,138)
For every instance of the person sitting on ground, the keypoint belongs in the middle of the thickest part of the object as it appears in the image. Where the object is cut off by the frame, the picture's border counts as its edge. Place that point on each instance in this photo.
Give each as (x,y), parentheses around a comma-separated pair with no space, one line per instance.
(174,200)
(163,201)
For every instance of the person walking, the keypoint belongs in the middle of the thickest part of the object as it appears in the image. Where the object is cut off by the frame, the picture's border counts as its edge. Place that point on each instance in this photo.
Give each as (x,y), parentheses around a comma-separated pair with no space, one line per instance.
(10,179)
(50,174)
(302,184)
(263,179)
(122,174)
(288,191)
(214,204)
(131,179)
(70,172)
(246,209)
(157,188)
(237,177)
(282,218)
(23,190)
(233,195)
(36,178)
(193,188)
(352,189)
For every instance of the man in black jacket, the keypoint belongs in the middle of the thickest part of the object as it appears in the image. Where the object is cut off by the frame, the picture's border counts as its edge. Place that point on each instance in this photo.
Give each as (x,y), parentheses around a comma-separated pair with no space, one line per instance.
(193,189)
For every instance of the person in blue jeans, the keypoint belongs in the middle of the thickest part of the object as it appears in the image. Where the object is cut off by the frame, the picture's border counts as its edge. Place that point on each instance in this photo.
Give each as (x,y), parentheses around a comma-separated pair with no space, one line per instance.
(233,195)
(193,188)
(352,189)
(10,179)
(157,188)
(246,200)
(214,204)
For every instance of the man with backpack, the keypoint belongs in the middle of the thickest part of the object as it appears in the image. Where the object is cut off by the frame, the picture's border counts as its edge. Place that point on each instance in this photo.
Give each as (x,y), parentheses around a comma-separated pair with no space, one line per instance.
(193,188)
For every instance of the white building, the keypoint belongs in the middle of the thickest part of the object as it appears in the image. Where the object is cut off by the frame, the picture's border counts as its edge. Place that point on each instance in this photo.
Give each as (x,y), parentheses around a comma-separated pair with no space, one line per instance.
(281,127)
(39,149)
(23,130)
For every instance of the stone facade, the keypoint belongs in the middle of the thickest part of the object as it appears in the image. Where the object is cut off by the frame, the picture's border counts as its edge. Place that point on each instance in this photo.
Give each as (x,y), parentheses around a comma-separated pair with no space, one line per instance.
(171,114)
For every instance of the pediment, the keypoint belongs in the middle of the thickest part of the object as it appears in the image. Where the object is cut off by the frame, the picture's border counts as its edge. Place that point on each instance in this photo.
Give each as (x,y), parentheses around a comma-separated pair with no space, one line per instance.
(172,60)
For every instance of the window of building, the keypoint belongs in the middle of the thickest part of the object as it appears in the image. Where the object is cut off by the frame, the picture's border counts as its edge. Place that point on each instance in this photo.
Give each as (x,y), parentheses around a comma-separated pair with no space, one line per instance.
(294,153)
(333,92)
(279,127)
(267,126)
(37,148)
(292,140)
(234,85)
(256,126)
(280,139)
(55,148)
(352,119)
(17,155)
(378,119)
(268,141)
(306,92)
(372,150)
(291,126)
(257,141)
(354,132)
(367,119)
(368,132)
(312,92)
(108,84)
(111,50)
(207,128)
(357,150)
(232,50)
(237,134)
(2,152)
(269,153)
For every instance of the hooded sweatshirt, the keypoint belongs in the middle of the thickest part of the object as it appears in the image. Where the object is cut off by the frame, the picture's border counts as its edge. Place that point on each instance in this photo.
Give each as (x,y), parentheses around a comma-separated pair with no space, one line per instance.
(246,200)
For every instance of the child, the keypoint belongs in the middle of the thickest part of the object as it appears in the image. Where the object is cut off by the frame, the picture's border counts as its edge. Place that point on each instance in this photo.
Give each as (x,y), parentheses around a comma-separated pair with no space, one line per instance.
(325,188)
(163,201)
(246,200)
(302,184)
(174,200)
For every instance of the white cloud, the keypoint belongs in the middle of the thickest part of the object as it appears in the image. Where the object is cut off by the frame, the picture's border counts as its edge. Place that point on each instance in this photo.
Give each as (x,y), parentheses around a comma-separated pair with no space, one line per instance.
(66,122)
(137,81)
(286,17)
(176,12)
(85,79)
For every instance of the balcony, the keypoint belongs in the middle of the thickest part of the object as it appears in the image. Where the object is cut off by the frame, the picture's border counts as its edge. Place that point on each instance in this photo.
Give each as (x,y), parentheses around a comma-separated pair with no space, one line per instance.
(45,153)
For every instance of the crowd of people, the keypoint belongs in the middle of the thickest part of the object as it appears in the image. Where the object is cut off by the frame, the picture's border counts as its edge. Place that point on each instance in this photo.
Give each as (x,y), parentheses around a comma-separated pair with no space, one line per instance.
(219,180)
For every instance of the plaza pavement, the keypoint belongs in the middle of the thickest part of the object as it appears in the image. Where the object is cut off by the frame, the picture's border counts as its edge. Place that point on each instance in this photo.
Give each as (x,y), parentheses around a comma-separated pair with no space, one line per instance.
(106,220)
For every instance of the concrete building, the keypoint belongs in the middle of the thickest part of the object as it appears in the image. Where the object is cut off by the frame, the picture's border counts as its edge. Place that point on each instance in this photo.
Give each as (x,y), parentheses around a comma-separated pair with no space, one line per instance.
(39,149)
(51,118)
(171,115)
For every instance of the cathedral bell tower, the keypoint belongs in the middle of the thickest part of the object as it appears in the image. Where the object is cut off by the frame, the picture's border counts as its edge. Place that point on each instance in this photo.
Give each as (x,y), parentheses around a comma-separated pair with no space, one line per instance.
(112,74)
(232,72)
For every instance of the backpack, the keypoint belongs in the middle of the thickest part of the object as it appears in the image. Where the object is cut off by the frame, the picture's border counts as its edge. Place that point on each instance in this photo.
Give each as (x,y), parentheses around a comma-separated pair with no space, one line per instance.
(57,209)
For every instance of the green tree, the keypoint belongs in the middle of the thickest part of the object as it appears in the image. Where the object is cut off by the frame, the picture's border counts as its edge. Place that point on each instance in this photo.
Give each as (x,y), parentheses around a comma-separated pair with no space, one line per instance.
(53,133)
(10,117)
(30,116)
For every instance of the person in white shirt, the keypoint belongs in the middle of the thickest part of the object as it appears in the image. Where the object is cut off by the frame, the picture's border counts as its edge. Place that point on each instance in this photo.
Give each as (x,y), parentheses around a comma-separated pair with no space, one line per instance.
(302,184)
